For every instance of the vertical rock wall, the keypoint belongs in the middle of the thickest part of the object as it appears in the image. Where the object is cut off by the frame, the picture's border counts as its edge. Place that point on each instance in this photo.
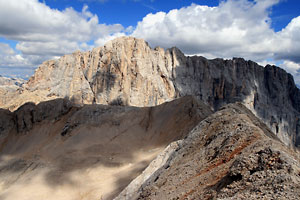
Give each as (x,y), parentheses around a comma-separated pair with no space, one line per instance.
(126,71)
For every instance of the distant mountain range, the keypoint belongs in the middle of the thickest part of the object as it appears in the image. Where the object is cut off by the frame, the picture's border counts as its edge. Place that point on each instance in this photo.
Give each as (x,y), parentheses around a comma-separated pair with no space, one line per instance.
(4,81)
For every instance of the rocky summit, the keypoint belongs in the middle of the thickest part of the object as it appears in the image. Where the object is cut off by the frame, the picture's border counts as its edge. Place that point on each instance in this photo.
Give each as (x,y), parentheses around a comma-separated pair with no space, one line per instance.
(125,121)
(126,71)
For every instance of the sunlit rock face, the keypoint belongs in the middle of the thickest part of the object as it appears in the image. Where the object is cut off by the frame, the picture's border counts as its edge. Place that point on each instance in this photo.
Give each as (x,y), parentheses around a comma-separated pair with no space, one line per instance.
(126,71)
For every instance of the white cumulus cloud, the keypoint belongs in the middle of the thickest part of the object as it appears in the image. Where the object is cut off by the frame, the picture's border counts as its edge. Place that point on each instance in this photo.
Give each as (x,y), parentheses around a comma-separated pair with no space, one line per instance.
(234,28)
(8,57)
(287,42)
(293,68)
(43,31)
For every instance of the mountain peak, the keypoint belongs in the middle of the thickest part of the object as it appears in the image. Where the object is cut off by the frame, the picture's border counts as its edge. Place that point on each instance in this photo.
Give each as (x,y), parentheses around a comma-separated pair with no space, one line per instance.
(126,41)
(141,99)
(126,71)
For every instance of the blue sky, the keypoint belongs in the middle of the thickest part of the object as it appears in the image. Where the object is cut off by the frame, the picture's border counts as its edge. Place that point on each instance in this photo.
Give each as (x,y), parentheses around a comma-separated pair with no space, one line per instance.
(266,31)
(129,12)
(125,12)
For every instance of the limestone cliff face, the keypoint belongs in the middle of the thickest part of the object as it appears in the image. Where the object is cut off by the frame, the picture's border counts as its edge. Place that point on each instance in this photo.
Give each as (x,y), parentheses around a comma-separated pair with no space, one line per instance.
(269,92)
(126,71)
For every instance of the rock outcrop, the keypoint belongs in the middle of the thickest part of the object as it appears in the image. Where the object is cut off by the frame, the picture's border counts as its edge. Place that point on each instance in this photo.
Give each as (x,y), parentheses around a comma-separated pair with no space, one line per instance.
(229,155)
(126,71)
(60,151)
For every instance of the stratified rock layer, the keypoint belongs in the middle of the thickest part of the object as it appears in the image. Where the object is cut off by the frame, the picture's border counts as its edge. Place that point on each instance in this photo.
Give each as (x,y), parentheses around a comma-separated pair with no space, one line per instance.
(229,155)
(126,71)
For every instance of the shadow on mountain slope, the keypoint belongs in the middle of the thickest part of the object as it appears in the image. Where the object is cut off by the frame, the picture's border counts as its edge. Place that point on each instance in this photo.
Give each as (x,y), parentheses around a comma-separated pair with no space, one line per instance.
(56,148)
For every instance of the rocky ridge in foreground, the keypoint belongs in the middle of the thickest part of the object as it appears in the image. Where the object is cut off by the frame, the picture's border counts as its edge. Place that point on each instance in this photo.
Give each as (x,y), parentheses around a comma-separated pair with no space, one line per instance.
(177,150)
(126,71)
(229,155)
